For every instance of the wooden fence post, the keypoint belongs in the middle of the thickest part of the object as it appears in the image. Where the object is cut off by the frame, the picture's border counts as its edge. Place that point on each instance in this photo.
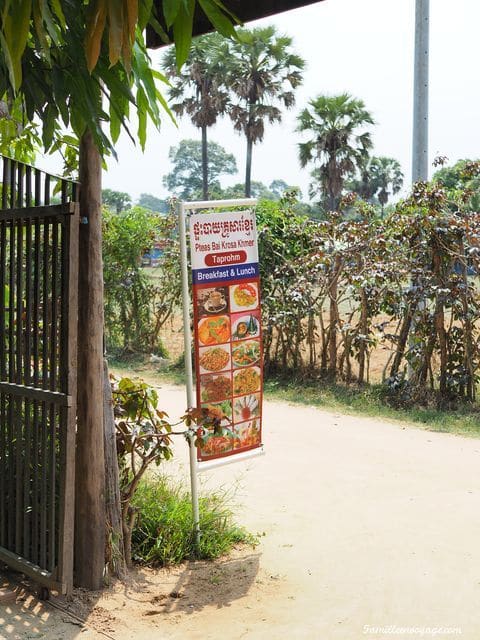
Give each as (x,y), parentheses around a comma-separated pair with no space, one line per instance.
(90,463)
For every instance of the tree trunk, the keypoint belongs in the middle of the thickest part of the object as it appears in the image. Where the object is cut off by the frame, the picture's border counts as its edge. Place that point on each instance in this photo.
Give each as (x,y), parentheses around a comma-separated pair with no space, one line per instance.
(468,339)
(90,462)
(439,320)
(333,192)
(402,338)
(128,522)
(248,169)
(334,317)
(323,343)
(425,366)
(332,203)
(113,508)
(362,348)
(206,195)
(311,336)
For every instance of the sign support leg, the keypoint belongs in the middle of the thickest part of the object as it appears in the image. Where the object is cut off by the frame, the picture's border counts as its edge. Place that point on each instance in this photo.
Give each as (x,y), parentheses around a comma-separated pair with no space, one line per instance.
(194,490)
(187,338)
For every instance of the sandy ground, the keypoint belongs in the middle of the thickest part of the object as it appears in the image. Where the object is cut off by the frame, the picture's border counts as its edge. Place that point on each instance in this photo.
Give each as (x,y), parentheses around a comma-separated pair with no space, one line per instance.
(369,527)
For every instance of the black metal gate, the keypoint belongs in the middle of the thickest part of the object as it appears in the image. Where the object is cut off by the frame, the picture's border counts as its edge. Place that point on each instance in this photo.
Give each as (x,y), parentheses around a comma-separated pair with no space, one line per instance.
(38,316)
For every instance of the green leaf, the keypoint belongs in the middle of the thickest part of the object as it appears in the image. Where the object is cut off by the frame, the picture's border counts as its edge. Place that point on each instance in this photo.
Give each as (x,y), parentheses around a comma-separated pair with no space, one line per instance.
(182,31)
(217,17)
(61,93)
(144,75)
(115,123)
(16,30)
(58,11)
(227,11)
(145,10)
(159,30)
(8,58)
(52,28)
(142,105)
(171,9)
(160,76)
(40,31)
(49,125)
(166,108)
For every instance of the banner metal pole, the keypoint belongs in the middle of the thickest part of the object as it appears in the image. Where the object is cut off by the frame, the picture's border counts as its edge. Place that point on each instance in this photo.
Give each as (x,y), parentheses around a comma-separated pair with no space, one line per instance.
(187,337)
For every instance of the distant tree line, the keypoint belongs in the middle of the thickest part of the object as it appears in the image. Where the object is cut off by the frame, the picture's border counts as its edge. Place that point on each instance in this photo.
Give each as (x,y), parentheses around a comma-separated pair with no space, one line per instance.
(250,81)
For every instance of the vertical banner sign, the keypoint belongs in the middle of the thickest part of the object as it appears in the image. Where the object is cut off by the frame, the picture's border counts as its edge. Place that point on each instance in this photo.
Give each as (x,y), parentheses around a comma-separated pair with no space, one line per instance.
(228,347)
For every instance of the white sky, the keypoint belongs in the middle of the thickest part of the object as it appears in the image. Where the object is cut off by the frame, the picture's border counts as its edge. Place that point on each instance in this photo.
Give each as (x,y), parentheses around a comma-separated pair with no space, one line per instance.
(364,47)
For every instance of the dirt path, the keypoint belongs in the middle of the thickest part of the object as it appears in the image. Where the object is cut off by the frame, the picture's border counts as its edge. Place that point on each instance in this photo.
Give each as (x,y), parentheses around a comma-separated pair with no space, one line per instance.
(367,524)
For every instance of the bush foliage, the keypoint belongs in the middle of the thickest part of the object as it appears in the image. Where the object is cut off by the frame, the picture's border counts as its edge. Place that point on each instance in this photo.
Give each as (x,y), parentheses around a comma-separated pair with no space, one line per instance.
(336,290)
(136,305)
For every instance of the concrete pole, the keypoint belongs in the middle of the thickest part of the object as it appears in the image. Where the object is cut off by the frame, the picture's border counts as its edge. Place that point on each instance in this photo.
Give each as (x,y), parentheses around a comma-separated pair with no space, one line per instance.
(420,120)
(420,92)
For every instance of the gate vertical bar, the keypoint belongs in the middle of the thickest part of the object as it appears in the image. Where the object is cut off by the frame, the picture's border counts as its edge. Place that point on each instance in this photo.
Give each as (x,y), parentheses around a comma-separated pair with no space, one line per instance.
(19,467)
(36,368)
(3,439)
(11,373)
(69,312)
(27,486)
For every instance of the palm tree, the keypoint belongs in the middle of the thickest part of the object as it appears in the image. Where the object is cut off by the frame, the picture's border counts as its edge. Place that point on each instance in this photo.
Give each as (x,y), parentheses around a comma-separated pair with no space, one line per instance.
(199,89)
(379,177)
(338,142)
(363,183)
(387,175)
(262,72)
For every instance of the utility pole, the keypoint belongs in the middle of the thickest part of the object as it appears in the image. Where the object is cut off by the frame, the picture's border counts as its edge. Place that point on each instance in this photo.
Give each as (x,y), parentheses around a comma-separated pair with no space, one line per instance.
(420,122)
(420,92)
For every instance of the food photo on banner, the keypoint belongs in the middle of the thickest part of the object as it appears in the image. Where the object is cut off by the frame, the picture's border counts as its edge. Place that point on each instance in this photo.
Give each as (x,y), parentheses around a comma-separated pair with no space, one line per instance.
(227,330)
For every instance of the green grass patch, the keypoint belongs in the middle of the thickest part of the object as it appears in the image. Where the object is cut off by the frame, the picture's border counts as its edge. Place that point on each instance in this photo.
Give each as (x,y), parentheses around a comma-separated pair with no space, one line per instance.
(163,533)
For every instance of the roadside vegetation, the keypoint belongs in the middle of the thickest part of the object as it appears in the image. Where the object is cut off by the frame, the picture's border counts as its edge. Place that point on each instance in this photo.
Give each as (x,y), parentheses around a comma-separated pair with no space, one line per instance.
(361,299)
(163,530)
(150,520)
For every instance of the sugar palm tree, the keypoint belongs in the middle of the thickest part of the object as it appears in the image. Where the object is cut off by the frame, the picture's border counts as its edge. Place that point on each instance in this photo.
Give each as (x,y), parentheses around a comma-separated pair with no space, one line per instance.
(262,72)
(198,90)
(378,178)
(338,142)
(387,174)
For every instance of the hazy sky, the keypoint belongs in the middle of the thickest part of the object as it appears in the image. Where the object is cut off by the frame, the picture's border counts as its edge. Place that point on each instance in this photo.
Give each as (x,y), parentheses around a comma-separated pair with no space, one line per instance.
(364,47)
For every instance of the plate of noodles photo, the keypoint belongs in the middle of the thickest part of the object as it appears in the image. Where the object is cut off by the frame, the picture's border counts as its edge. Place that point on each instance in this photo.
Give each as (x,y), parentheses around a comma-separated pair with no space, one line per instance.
(244,296)
(246,381)
(212,359)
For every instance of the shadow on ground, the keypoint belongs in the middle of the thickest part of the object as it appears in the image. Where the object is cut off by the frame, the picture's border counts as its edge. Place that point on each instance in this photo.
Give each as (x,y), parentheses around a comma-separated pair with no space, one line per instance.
(207,584)
(146,594)
(23,616)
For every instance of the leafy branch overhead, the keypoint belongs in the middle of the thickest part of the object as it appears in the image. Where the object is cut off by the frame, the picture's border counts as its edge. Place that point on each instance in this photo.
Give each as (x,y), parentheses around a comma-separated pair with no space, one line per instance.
(65,59)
